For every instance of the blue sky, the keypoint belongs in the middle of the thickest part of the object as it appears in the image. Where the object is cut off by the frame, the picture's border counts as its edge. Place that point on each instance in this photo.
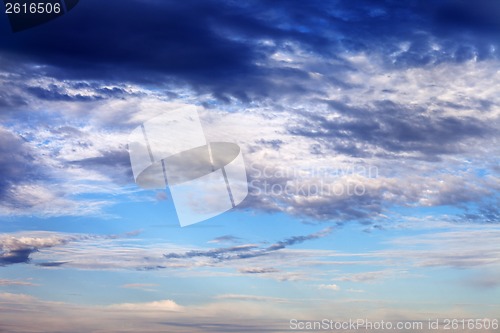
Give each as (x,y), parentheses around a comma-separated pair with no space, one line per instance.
(369,131)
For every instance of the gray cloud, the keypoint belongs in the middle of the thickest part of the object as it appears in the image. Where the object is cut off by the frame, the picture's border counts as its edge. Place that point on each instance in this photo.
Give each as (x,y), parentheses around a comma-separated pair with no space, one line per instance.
(17,165)
(258,270)
(9,100)
(392,129)
(364,277)
(115,164)
(54,93)
(225,239)
(487,279)
(248,250)
(52,264)
(234,252)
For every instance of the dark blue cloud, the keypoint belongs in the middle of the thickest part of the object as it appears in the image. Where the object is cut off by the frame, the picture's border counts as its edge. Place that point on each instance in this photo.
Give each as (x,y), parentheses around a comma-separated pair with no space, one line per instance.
(17,256)
(134,41)
(219,45)
(482,15)
(52,264)
(53,94)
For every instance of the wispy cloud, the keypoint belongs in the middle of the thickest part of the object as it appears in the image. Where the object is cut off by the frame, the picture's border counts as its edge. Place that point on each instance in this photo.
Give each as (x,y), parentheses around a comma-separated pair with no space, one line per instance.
(251,298)
(373,276)
(332,287)
(141,286)
(258,270)
(17,248)
(248,250)
(6,282)
(161,306)
(225,239)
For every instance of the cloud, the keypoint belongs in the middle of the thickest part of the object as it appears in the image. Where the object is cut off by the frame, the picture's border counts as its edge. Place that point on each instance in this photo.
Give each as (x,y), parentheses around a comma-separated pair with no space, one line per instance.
(8,100)
(165,305)
(394,129)
(18,164)
(355,290)
(52,264)
(257,270)
(233,252)
(27,183)
(485,279)
(118,252)
(225,239)
(6,282)
(483,15)
(16,248)
(333,287)
(369,276)
(141,286)
(183,44)
(115,163)
(224,314)
(248,250)
(299,239)
(54,94)
(485,213)
(463,247)
(415,102)
(406,87)
(232,50)
(251,298)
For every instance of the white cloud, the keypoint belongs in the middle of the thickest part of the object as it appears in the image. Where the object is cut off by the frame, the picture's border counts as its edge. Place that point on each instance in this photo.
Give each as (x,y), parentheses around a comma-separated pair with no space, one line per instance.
(355,290)
(251,298)
(164,305)
(371,276)
(333,287)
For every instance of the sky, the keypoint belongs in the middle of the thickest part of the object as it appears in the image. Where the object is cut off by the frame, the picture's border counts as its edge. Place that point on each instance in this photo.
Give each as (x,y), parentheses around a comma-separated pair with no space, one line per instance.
(370,135)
